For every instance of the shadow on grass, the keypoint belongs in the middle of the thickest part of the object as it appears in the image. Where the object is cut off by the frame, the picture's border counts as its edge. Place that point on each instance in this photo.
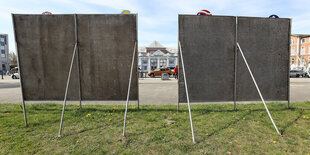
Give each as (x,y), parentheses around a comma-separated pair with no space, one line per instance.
(225,127)
(37,109)
(292,122)
(202,111)
(214,132)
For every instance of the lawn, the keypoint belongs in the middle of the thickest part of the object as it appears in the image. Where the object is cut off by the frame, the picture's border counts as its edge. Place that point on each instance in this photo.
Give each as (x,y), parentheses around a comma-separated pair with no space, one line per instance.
(156,129)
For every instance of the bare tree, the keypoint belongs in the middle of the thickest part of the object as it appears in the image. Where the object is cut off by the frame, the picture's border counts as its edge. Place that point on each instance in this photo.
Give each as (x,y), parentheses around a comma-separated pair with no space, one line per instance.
(13,58)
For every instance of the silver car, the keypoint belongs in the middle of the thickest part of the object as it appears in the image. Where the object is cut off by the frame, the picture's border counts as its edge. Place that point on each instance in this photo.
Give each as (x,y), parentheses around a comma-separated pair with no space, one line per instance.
(15,76)
(297,73)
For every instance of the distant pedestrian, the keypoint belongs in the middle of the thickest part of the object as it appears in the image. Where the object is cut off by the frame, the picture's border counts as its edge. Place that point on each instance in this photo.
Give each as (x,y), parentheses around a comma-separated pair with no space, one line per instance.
(176,72)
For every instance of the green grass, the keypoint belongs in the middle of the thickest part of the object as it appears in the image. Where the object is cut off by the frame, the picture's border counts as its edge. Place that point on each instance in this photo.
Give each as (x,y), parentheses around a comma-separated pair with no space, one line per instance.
(156,129)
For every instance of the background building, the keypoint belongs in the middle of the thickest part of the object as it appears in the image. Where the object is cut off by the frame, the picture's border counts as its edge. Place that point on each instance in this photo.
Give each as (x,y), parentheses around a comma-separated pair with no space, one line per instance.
(4,52)
(156,56)
(300,51)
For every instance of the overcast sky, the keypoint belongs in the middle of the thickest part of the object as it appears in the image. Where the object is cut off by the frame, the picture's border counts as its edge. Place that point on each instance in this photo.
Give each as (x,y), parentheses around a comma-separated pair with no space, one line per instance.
(158,19)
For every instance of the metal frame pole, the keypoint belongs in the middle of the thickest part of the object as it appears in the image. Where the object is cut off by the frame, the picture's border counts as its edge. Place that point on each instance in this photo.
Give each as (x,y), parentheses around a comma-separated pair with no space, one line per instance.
(178,106)
(189,106)
(66,93)
(137,66)
(77,58)
(20,75)
(246,63)
(289,61)
(236,67)
(130,76)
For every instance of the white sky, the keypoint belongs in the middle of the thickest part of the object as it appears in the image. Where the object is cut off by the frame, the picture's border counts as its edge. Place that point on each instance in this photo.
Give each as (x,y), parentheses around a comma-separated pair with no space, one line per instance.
(158,19)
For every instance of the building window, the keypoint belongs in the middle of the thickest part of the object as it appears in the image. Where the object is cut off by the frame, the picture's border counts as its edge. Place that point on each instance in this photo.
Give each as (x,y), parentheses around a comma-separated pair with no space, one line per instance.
(2,47)
(3,53)
(293,52)
(144,60)
(293,61)
(303,40)
(144,67)
(303,50)
(163,63)
(171,62)
(153,63)
(308,60)
(2,39)
(303,61)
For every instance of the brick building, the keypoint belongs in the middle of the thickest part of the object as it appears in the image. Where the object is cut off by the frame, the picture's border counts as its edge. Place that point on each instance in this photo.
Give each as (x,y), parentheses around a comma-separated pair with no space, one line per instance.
(300,51)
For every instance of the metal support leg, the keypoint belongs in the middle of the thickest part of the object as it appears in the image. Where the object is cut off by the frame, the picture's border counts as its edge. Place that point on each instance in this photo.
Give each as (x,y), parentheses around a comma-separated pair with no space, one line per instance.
(236,62)
(189,106)
(23,101)
(178,106)
(77,58)
(128,93)
(66,93)
(260,94)
(138,104)
(288,75)
(25,115)
(288,104)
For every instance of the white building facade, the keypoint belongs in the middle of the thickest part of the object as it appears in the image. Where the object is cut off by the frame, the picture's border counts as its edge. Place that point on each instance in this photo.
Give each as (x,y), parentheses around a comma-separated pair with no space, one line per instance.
(4,52)
(156,56)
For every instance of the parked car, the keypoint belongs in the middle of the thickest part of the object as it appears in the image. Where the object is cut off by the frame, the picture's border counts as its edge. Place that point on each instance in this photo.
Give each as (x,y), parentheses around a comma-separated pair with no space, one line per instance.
(15,76)
(172,69)
(14,70)
(308,73)
(297,73)
(159,71)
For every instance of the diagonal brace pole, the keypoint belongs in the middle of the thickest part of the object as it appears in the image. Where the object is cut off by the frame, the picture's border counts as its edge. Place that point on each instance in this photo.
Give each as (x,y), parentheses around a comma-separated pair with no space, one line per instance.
(260,94)
(189,106)
(129,85)
(66,93)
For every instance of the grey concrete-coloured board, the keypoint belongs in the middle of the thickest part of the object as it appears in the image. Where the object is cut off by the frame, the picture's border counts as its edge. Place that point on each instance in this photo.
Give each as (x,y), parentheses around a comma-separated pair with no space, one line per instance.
(106,50)
(265,44)
(45,46)
(210,74)
(208,51)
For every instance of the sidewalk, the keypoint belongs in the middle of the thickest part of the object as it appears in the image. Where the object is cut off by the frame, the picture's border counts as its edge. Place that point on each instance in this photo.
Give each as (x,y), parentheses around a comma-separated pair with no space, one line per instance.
(151,91)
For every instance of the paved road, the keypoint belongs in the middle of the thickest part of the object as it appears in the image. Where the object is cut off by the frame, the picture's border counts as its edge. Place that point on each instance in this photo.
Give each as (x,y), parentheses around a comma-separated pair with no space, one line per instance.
(300,89)
(157,91)
(152,91)
(10,91)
